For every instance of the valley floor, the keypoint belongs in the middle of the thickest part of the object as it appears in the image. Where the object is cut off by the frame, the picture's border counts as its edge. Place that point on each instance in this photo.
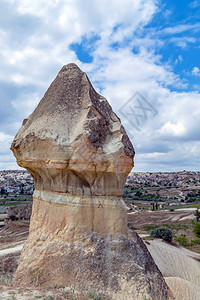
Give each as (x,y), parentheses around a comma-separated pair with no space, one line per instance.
(179,266)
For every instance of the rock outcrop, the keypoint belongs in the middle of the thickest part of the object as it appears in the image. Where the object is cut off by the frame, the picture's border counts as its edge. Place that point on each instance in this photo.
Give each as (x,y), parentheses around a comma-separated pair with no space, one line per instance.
(11,213)
(79,155)
(25,212)
(180,267)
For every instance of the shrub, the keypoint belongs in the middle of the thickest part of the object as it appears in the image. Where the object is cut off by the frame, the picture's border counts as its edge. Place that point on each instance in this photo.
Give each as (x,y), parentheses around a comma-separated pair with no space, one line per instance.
(197,229)
(197,214)
(149,227)
(182,240)
(138,193)
(94,297)
(163,233)
(12,218)
(194,242)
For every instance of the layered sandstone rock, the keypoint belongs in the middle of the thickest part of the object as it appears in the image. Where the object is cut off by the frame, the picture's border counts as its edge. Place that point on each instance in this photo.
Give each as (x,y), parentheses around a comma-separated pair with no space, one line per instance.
(79,156)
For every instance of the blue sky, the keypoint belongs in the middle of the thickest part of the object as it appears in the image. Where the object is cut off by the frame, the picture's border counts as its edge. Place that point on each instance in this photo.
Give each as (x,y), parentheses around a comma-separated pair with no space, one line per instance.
(143,56)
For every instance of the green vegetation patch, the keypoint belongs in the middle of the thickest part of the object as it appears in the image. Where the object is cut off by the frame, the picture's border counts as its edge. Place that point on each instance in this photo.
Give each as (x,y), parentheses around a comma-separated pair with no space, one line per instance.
(197,205)
(183,241)
(196,229)
(95,297)
(150,227)
(13,203)
(163,233)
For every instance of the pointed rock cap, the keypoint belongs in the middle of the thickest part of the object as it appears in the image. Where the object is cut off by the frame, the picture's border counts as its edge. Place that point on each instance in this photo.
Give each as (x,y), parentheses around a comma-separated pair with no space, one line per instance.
(73,139)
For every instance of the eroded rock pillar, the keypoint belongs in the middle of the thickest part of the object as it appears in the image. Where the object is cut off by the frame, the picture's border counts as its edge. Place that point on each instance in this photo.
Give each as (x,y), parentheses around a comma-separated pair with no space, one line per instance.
(79,155)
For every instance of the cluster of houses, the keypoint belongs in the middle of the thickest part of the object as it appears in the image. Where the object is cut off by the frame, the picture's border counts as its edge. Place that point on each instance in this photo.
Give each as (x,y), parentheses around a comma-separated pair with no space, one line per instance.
(176,179)
(171,186)
(15,182)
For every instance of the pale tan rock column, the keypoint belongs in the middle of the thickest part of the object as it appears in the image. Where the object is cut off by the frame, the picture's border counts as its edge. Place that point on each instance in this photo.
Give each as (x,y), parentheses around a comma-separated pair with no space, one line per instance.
(79,155)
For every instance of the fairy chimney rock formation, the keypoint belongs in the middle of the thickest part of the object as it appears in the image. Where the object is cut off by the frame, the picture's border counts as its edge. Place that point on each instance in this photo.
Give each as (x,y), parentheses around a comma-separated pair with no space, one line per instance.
(79,155)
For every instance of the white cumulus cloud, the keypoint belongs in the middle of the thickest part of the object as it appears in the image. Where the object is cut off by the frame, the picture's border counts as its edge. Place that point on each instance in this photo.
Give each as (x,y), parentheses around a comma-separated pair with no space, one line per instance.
(36,39)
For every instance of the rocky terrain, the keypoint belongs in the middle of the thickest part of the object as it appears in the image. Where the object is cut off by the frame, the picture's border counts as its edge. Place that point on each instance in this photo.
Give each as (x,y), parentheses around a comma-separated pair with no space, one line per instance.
(179,266)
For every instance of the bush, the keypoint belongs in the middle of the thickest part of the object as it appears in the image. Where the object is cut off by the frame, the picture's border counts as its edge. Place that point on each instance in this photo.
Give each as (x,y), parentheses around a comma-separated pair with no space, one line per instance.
(182,240)
(149,227)
(163,233)
(138,193)
(12,218)
(194,242)
(197,214)
(197,229)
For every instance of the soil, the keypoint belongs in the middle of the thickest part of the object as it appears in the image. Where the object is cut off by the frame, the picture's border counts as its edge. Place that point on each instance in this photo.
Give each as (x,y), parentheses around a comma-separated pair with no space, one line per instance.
(16,292)
(15,233)
(181,222)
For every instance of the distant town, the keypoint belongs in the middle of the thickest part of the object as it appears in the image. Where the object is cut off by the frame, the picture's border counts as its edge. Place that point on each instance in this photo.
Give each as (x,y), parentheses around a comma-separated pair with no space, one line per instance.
(16,189)
(173,188)
(16,182)
(179,186)
(146,190)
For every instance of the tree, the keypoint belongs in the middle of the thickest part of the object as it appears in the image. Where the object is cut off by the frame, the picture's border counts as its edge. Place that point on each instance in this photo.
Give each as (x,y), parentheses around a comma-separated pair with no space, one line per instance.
(138,193)
(197,229)
(3,191)
(197,214)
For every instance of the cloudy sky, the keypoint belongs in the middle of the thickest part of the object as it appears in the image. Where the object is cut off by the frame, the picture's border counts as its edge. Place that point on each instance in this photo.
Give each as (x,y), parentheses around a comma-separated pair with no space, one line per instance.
(142,55)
